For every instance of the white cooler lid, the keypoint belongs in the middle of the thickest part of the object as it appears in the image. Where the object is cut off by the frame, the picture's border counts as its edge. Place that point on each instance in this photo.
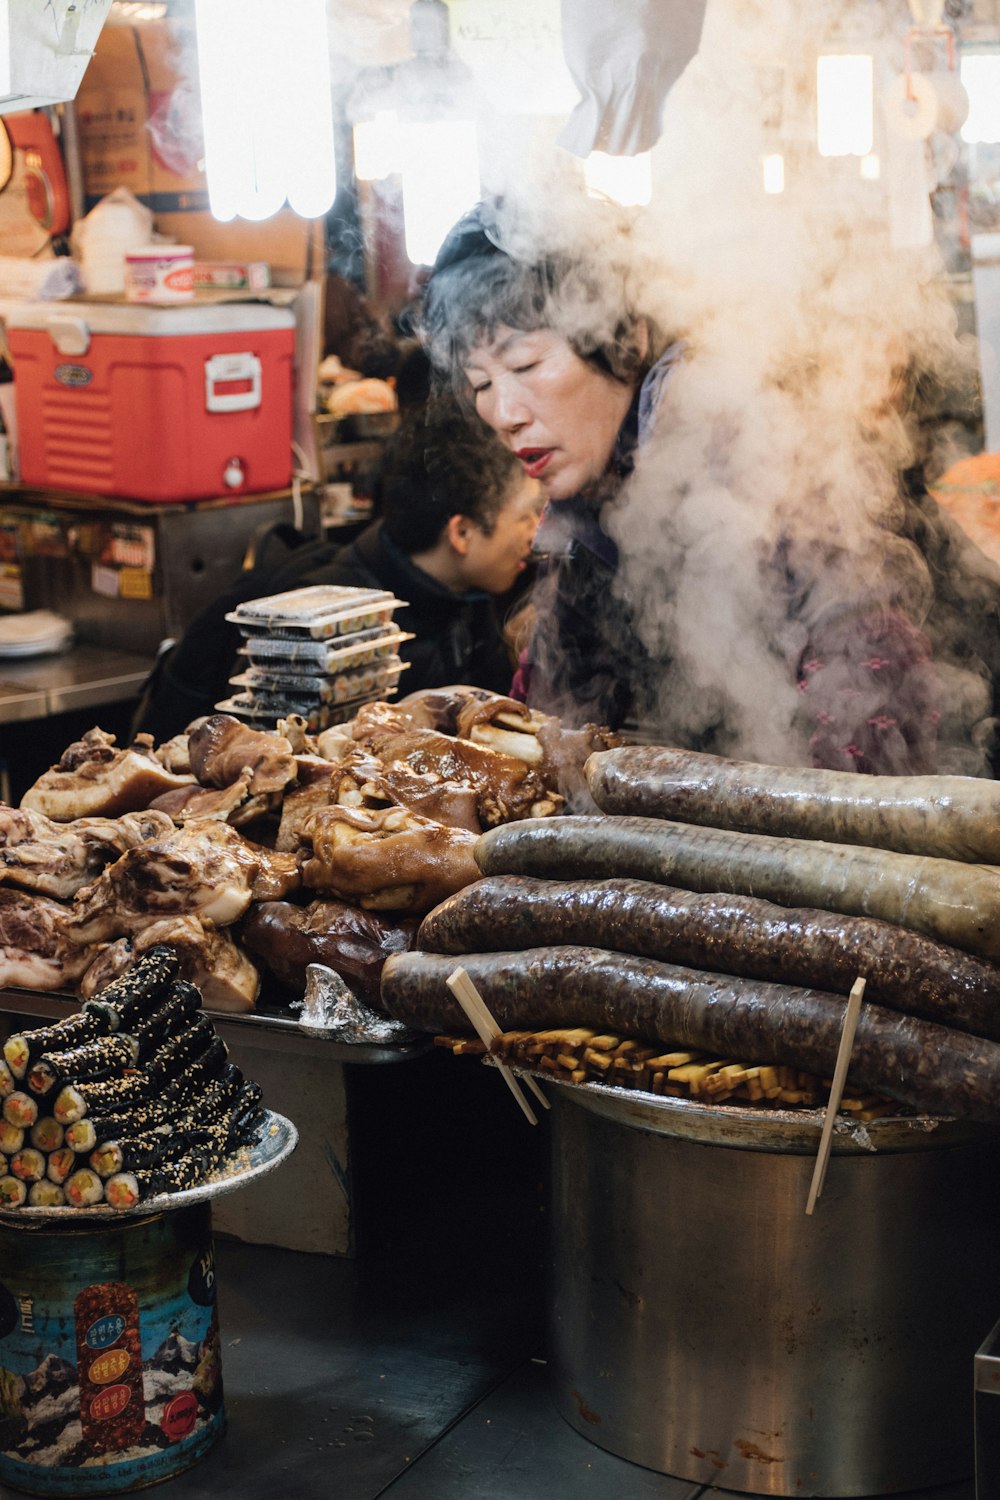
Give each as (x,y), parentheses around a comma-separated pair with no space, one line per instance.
(140,318)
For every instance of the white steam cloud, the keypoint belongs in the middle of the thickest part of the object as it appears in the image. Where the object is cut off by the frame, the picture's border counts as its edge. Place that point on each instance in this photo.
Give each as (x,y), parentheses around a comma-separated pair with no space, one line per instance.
(766,502)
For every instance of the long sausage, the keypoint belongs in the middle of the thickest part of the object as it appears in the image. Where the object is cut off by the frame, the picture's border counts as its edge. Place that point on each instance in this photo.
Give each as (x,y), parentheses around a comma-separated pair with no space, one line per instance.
(928,1067)
(726,934)
(954,903)
(952,817)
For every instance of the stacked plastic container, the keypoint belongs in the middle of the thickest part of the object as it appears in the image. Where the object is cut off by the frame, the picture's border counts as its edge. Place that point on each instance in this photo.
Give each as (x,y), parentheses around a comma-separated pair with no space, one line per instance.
(318,653)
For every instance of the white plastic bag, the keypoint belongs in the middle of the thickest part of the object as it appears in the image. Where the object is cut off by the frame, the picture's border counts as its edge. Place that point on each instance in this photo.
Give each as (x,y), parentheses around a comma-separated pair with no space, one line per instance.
(625,57)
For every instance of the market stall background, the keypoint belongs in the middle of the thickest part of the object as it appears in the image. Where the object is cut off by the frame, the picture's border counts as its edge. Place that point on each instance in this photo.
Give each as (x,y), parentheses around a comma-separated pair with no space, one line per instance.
(797,299)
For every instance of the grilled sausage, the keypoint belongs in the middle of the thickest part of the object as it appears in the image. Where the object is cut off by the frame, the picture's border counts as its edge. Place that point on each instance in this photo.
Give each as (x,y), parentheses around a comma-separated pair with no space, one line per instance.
(952,817)
(928,1067)
(726,934)
(954,903)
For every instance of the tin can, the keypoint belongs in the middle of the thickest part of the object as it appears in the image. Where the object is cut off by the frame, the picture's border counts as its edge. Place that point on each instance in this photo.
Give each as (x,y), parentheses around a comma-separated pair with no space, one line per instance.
(110,1371)
(160,273)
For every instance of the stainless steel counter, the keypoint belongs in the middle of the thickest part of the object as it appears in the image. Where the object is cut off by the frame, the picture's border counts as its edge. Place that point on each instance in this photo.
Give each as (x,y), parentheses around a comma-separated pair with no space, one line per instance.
(85,677)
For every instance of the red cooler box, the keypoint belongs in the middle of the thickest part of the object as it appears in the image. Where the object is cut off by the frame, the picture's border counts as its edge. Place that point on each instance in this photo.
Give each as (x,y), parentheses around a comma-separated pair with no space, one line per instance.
(154,403)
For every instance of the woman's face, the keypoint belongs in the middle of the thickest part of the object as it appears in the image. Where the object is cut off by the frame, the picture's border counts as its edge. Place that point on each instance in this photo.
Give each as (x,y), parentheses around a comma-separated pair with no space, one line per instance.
(559,413)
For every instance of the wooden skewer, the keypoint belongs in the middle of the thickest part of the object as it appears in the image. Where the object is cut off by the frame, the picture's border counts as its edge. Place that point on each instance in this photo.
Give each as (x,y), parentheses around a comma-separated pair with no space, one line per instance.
(486,1028)
(836,1090)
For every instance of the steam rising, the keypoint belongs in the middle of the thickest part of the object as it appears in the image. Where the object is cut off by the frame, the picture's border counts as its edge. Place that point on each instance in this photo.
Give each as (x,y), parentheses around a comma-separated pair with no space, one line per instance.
(764,505)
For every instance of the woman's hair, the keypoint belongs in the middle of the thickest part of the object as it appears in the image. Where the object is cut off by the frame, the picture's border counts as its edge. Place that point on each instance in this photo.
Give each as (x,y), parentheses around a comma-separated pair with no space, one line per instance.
(439,463)
(476,286)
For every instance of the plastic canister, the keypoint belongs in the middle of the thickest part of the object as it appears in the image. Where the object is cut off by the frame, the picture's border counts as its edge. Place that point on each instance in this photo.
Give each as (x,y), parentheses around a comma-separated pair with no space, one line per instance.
(160,273)
(110,1372)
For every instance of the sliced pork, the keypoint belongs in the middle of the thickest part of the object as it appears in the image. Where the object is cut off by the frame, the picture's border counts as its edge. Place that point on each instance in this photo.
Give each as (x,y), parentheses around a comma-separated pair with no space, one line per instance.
(94,779)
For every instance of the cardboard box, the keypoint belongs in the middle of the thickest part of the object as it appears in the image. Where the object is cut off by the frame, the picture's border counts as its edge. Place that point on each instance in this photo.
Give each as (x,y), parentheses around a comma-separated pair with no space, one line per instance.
(138,125)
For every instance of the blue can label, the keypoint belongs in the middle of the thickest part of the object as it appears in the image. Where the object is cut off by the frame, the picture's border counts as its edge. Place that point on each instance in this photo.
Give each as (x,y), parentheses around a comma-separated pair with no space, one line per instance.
(110,1369)
(105,1331)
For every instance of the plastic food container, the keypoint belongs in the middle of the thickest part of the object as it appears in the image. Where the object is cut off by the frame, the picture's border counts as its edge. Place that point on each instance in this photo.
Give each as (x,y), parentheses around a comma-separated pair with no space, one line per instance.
(320,612)
(284,653)
(376,678)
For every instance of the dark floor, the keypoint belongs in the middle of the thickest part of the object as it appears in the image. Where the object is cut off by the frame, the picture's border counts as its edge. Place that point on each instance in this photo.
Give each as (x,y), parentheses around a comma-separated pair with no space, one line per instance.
(416,1370)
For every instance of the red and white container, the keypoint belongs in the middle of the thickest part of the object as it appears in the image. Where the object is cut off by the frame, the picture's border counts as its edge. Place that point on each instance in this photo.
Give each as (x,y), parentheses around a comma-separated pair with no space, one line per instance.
(192,402)
(160,273)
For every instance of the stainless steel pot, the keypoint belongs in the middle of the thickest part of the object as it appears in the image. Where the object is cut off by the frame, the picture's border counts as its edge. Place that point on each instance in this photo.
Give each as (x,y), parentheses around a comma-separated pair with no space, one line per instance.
(704,1326)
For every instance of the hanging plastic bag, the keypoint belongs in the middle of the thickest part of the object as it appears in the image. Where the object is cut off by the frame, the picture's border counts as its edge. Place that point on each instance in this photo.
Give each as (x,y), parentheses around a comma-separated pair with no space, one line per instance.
(625,58)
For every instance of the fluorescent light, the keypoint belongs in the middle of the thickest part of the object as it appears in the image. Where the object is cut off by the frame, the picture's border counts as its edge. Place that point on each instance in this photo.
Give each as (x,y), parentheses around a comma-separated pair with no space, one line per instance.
(377,148)
(267,107)
(845,110)
(981,77)
(440,182)
(627,179)
(774,173)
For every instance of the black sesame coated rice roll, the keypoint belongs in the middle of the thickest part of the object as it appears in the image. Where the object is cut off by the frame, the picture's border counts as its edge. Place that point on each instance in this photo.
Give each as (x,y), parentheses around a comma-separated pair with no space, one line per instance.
(189,1085)
(126,1189)
(24,1047)
(13,1192)
(83,1188)
(46,1194)
(143,987)
(101,1097)
(60,1164)
(83,1135)
(20,1110)
(47,1134)
(169,1020)
(28,1164)
(138,1152)
(174,1055)
(11,1138)
(98,1059)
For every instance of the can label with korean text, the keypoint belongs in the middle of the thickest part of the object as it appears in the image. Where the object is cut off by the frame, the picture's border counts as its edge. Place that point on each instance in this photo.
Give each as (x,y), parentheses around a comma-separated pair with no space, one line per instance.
(110,1372)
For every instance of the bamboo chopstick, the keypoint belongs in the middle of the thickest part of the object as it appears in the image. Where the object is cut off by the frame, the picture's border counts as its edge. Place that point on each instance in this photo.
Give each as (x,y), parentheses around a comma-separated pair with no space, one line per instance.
(486,1028)
(836,1090)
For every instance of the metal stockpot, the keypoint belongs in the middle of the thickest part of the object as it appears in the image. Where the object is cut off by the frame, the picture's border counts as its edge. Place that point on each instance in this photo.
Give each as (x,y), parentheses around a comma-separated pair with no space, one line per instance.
(704,1326)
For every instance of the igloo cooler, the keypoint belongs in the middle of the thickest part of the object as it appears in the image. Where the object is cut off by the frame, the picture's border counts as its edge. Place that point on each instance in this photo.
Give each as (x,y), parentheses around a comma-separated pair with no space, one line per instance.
(154,403)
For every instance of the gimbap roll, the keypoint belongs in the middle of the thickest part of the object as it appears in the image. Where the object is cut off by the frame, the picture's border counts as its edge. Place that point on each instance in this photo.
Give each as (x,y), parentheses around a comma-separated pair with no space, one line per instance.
(190,1084)
(174,1055)
(11,1138)
(98,1059)
(13,1192)
(60,1164)
(28,1164)
(169,1020)
(8,1083)
(21,1049)
(20,1110)
(83,1188)
(4,1167)
(47,1134)
(100,1097)
(137,1153)
(137,992)
(46,1194)
(125,1189)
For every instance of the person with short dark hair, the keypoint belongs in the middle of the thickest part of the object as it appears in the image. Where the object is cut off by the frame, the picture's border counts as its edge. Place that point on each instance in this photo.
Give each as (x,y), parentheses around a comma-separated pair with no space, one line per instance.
(453,537)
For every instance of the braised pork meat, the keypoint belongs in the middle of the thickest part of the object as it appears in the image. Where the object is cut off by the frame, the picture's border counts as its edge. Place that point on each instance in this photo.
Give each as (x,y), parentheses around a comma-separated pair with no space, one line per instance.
(94,779)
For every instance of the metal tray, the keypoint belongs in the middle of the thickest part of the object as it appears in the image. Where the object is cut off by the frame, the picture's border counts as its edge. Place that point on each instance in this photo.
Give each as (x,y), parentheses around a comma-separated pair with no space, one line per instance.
(750,1128)
(270,1016)
(277,1140)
